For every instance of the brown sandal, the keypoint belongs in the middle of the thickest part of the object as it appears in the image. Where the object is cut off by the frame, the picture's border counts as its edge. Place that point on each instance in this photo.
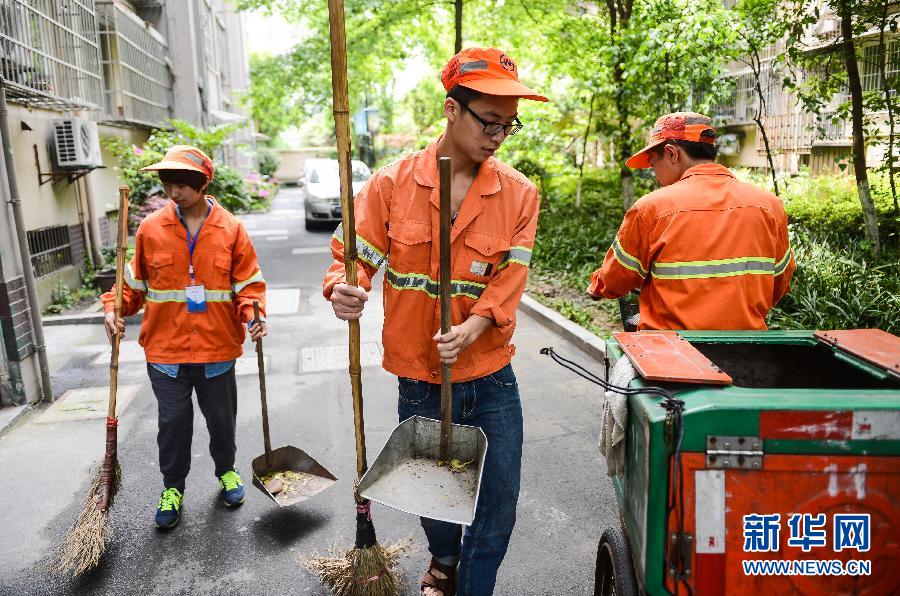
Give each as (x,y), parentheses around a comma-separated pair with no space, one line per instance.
(446,586)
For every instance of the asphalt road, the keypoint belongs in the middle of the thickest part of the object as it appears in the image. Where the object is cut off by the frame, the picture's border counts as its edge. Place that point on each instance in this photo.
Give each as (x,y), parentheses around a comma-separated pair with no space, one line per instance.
(566,499)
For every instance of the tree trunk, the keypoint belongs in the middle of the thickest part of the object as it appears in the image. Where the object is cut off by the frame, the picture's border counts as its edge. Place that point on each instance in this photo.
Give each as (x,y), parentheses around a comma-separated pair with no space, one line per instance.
(587,132)
(459,14)
(756,66)
(859,147)
(888,102)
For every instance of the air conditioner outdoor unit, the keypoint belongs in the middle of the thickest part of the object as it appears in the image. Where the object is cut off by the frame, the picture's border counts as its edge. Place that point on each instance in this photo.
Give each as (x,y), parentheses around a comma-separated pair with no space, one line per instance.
(76,144)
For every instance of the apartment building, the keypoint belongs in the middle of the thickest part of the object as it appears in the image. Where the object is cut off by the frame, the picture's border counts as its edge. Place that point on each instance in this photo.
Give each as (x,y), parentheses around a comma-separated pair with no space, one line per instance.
(799,138)
(78,71)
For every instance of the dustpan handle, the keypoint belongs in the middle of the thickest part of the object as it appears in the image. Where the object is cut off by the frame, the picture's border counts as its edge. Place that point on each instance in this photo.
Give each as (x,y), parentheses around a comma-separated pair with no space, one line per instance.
(261,365)
(446,314)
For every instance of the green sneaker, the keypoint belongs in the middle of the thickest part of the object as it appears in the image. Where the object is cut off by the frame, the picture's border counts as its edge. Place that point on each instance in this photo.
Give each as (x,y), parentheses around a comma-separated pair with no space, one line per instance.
(168,512)
(232,488)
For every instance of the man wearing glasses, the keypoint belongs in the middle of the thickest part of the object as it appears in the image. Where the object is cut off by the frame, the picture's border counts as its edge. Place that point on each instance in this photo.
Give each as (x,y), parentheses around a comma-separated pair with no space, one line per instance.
(495,211)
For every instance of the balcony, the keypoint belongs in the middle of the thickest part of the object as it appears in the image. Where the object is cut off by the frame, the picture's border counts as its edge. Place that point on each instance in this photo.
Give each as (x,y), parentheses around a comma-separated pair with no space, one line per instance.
(49,56)
(139,82)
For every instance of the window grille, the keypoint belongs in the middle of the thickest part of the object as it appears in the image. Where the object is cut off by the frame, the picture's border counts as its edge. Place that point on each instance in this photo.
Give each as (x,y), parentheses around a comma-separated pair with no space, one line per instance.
(139,83)
(50,249)
(49,54)
(871,65)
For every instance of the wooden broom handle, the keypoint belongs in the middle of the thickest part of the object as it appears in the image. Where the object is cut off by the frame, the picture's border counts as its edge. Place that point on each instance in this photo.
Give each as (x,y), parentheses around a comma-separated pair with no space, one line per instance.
(261,365)
(342,132)
(121,241)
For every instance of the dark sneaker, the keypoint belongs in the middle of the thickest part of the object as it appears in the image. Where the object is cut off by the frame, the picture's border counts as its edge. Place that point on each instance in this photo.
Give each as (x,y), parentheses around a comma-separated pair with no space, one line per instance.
(232,488)
(168,513)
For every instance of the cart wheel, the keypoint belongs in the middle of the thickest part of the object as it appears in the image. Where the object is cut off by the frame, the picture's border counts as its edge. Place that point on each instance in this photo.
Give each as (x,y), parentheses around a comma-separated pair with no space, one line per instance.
(614,575)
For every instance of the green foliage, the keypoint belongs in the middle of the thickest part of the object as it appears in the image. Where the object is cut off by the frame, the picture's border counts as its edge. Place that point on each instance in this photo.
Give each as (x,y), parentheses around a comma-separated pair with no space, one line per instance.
(268,160)
(831,203)
(837,286)
(62,298)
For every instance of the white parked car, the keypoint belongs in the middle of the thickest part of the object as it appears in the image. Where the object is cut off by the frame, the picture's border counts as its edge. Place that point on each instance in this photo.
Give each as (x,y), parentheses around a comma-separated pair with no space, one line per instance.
(322,189)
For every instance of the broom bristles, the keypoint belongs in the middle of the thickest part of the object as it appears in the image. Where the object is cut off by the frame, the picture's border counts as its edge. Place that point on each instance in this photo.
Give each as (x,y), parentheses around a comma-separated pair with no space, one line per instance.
(86,541)
(368,571)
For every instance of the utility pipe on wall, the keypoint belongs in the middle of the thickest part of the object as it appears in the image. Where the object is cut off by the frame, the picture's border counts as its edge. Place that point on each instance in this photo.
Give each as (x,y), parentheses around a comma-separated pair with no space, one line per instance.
(24,252)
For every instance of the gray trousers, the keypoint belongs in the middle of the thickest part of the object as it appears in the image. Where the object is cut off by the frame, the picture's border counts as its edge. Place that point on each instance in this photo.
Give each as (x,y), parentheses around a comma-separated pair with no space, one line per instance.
(217,398)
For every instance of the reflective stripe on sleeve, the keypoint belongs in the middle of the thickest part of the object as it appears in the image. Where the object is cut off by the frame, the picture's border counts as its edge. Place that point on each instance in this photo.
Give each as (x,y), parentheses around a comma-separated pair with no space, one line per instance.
(716,268)
(258,276)
(521,255)
(626,260)
(133,282)
(782,265)
(365,250)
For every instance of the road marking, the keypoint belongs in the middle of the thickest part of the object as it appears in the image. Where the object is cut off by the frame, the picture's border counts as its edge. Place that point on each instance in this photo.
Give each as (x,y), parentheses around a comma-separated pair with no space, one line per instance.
(311,250)
(249,365)
(276,238)
(129,351)
(285,211)
(280,232)
(282,301)
(87,403)
(322,358)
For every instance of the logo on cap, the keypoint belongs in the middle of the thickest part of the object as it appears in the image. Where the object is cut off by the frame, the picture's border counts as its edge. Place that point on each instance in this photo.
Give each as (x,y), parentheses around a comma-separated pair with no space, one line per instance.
(507,63)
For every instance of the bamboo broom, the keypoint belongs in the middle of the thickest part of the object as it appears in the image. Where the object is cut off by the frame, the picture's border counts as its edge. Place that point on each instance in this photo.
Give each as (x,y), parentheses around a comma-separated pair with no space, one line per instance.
(367,569)
(86,542)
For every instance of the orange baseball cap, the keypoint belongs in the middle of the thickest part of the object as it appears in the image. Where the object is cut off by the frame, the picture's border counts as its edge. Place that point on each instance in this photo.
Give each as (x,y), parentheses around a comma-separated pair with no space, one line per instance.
(486,70)
(184,157)
(679,126)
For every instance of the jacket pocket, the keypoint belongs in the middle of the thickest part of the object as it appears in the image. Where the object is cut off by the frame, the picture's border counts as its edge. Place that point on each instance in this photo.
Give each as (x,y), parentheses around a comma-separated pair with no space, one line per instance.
(483,255)
(162,271)
(222,272)
(410,250)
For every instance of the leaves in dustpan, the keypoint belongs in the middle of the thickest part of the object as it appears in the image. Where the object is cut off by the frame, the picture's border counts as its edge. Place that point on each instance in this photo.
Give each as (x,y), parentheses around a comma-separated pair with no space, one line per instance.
(289,483)
(455,465)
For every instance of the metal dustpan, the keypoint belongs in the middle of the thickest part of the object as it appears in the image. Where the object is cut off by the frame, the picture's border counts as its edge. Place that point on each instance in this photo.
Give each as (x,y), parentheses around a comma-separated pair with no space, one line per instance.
(410,475)
(312,477)
(297,475)
(432,468)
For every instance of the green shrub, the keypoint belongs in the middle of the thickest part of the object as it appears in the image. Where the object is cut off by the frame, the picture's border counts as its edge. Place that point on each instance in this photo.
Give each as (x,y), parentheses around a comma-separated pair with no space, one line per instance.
(268,160)
(831,203)
(837,286)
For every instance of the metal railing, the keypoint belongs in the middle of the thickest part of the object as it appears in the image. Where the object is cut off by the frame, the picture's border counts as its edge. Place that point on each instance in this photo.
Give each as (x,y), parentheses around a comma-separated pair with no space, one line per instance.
(49,56)
(139,82)
(50,248)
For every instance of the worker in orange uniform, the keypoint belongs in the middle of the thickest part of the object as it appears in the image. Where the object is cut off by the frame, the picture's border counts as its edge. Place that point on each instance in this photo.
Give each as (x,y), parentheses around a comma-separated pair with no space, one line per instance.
(706,251)
(196,274)
(495,212)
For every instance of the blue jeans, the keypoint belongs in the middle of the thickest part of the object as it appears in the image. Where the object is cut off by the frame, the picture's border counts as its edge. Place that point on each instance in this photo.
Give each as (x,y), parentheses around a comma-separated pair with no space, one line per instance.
(492,403)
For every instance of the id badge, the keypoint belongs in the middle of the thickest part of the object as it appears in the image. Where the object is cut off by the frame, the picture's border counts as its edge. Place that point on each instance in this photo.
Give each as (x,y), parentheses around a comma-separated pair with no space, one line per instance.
(196,298)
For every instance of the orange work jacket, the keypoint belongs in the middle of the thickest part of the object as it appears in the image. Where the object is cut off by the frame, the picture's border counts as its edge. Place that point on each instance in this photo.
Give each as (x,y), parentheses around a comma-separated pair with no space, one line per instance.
(397,214)
(708,252)
(224,263)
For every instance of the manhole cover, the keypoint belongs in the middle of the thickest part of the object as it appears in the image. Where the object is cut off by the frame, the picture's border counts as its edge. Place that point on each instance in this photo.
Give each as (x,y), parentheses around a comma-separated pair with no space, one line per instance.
(248,365)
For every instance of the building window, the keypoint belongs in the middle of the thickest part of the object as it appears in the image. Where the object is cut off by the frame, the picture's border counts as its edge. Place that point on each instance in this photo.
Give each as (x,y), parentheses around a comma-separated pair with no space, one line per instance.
(50,249)
(871,65)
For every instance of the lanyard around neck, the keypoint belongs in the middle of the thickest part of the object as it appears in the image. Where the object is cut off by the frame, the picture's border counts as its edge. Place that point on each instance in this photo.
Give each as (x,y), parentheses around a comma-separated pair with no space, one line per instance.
(192,240)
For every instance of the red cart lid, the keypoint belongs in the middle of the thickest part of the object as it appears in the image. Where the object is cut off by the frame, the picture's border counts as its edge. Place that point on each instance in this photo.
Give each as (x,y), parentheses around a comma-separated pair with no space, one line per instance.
(872,345)
(666,356)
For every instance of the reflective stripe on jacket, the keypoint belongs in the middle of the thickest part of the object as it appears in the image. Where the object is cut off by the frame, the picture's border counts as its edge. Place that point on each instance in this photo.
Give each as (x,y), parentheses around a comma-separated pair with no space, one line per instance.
(225,264)
(708,252)
(492,237)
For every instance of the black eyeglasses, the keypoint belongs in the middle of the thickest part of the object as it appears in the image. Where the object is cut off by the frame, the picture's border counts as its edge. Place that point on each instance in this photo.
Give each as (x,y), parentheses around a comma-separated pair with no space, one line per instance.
(492,128)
